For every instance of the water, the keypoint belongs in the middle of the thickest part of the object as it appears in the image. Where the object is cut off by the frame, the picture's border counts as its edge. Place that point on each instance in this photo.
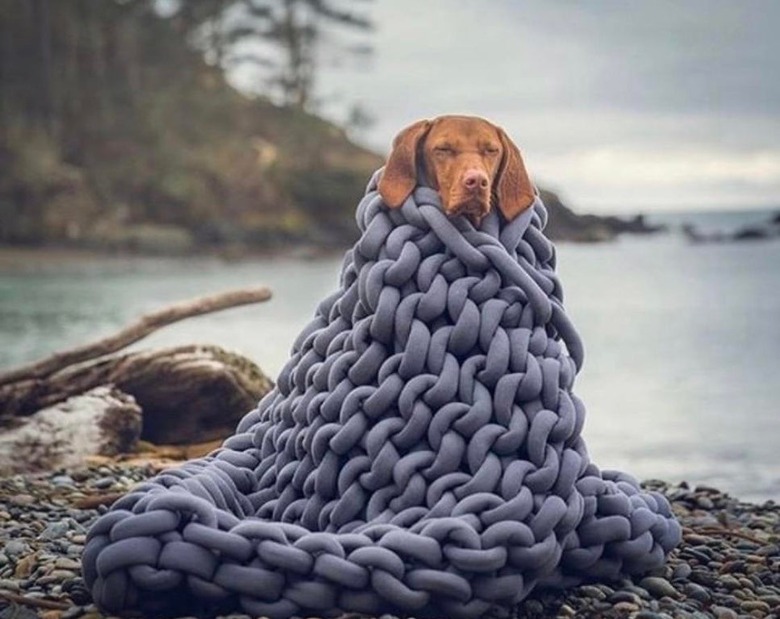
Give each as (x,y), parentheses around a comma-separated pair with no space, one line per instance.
(682,371)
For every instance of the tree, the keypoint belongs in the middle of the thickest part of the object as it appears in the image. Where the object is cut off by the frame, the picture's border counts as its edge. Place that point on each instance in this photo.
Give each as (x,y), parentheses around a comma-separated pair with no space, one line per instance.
(283,40)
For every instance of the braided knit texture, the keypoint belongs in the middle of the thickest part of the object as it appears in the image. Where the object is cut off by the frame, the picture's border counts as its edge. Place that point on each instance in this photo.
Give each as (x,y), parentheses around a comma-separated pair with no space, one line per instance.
(421,451)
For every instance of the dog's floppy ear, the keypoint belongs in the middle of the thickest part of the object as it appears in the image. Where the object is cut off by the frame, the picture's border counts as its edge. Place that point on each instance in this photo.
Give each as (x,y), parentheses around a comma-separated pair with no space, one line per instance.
(400,175)
(513,189)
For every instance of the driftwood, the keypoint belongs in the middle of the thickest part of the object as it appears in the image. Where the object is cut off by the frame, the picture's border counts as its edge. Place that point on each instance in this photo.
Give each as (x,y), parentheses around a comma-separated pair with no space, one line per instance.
(103,421)
(186,394)
(139,330)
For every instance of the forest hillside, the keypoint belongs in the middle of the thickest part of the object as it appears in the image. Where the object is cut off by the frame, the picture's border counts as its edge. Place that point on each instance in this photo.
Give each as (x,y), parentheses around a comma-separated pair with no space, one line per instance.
(120,131)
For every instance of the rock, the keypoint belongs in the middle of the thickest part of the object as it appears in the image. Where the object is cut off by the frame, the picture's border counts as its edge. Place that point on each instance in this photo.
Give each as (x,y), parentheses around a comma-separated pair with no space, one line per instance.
(67,564)
(625,596)
(751,605)
(697,592)
(659,587)
(593,592)
(681,572)
(721,612)
(18,612)
(8,585)
(15,548)
(22,500)
(101,421)
(25,566)
(55,530)
(103,483)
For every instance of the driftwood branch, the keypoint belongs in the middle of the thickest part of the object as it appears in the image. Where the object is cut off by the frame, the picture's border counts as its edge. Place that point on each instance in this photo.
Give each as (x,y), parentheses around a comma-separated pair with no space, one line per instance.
(131,334)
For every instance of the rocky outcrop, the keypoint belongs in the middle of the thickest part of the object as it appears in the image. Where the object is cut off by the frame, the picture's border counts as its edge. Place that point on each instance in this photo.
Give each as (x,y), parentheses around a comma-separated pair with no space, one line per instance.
(566,225)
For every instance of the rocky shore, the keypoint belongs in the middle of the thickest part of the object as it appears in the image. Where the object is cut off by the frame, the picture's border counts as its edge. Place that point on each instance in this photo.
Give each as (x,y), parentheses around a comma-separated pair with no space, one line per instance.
(727,567)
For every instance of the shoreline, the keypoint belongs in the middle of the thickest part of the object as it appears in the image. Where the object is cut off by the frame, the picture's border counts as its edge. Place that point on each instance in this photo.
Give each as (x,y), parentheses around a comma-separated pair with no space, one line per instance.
(728,565)
(24,259)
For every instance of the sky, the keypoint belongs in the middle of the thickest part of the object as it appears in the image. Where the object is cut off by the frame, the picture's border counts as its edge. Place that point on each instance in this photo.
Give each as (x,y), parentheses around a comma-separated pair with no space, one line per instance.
(618,106)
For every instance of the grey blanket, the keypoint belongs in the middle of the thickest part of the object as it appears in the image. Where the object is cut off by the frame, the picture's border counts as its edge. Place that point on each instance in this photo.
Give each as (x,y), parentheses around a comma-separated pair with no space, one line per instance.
(421,451)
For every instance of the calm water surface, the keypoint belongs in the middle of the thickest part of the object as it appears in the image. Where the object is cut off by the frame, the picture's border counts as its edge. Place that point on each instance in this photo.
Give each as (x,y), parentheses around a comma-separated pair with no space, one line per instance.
(682,371)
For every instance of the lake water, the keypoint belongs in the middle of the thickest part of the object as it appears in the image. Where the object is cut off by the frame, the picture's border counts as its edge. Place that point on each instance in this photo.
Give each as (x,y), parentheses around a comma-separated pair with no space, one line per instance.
(682,369)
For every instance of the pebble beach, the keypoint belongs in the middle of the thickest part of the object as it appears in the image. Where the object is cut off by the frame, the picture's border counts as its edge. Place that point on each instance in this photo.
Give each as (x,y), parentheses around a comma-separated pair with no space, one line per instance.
(727,567)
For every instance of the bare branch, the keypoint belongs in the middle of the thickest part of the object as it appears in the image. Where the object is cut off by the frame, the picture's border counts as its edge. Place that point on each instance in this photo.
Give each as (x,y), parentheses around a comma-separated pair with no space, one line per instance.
(137,331)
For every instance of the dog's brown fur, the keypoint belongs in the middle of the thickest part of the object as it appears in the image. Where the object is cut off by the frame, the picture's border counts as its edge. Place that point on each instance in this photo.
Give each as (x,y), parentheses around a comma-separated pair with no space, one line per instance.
(468,160)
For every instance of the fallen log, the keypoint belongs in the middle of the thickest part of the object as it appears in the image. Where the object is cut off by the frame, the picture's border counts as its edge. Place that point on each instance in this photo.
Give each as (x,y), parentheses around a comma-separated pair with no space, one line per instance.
(188,394)
(177,396)
(103,421)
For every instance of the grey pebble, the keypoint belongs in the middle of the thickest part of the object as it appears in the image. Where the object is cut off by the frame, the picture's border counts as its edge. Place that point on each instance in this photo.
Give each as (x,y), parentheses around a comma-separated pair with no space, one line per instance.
(18,612)
(626,607)
(103,483)
(659,587)
(697,592)
(55,530)
(640,591)
(769,550)
(625,596)
(749,605)
(593,592)
(55,576)
(727,580)
(15,547)
(22,500)
(721,612)
(72,612)
(62,480)
(681,572)
(9,585)
(67,564)
(705,502)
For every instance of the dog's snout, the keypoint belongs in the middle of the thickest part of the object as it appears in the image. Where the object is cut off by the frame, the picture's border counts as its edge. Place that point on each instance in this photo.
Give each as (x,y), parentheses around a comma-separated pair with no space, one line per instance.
(475,179)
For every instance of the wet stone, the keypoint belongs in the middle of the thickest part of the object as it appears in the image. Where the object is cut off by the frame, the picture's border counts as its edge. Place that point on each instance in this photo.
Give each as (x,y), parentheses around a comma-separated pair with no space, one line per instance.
(593,592)
(721,612)
(16,547)
(22,500)
(626,607)
(625,596)
(103,483)
(658,587)
(729,582)
(681,572)
(697,592)
(750,605)
(55,530)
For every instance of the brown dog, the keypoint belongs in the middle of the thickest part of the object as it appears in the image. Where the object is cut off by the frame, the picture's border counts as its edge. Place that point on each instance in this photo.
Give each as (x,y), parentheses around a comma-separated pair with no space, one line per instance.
(468,160)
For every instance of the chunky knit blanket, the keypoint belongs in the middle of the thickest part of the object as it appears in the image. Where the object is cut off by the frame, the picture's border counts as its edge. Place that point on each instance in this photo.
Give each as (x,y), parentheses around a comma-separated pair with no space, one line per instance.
(421,451)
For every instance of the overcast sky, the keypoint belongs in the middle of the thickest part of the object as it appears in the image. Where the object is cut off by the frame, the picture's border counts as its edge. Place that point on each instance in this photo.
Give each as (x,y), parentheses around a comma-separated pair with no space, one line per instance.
(618,105)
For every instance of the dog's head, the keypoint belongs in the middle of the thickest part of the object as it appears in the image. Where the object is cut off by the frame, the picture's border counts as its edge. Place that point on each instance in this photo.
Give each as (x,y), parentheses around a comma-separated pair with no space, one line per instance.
(468,160)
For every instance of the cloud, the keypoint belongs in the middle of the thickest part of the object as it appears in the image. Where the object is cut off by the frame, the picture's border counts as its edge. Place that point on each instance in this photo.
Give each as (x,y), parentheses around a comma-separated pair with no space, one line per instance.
(610,178)
(677,101)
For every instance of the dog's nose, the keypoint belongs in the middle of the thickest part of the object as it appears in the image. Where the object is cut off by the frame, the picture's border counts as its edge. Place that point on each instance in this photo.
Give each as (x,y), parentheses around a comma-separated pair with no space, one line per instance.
(475,179)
